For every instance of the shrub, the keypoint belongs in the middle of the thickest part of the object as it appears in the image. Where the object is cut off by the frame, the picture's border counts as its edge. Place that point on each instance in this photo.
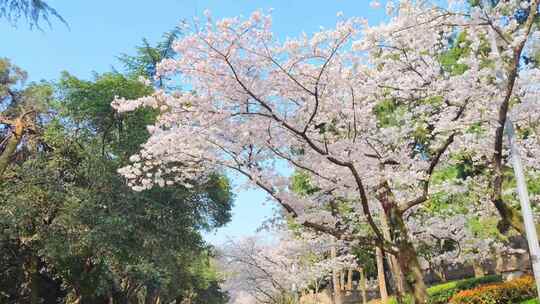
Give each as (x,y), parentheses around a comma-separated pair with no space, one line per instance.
(441,294)
(513,291)
(408,299)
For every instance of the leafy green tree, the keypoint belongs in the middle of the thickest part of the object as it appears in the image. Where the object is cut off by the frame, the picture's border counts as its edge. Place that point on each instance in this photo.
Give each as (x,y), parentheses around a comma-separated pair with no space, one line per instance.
(147,57)
(22,108)
(69,216)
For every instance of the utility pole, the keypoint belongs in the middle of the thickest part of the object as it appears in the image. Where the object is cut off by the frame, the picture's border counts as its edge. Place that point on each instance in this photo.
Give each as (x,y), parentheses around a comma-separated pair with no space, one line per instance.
(528,220)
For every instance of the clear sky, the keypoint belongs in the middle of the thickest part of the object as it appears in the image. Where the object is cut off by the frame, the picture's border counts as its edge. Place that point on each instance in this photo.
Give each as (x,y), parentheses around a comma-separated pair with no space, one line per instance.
(100,30)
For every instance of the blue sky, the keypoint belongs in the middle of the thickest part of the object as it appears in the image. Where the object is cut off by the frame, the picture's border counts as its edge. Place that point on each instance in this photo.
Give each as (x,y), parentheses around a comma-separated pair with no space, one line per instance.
(100,30)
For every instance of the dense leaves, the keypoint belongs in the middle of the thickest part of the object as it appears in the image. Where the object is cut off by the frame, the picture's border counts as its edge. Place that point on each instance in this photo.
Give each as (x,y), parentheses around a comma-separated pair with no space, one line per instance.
(70,222)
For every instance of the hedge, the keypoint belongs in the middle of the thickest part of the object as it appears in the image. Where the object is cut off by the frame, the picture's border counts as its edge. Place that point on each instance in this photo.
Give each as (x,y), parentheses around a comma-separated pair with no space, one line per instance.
(514,291)
(441,294)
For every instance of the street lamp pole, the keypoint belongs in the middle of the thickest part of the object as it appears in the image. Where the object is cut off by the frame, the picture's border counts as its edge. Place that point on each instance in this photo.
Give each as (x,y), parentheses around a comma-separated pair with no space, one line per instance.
(528,220)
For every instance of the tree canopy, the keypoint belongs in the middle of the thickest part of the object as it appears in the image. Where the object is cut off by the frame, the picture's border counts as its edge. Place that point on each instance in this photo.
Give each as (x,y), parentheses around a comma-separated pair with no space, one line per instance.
(69,221)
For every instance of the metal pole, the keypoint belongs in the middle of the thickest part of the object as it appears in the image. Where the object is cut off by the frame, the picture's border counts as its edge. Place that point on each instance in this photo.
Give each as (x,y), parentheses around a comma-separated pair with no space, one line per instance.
(528,220)
(294,288)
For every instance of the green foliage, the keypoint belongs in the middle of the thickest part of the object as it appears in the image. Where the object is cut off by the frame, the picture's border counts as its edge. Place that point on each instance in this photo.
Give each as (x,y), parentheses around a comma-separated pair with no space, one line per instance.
(144,62)
(66,206)
(10,75)
(449,60)
(23,108)
(16,97)
(443,203)
(484,228)
(454,203)
(87,105)
(388,113)
(509,182)
(301,184)
(408,299)
(32,10)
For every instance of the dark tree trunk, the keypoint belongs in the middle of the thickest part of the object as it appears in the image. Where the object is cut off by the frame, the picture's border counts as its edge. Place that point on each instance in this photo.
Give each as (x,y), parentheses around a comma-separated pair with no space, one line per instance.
(408,258)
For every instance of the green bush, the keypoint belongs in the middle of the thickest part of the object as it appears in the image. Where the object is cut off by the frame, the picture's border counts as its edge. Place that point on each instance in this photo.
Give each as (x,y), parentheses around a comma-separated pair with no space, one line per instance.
(407,300)
(514,291)
(441,294)
(531,301)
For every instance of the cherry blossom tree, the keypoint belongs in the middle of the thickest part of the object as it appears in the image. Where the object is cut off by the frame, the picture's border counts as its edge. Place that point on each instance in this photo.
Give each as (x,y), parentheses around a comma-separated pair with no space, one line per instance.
(368,113)
(517,81)
(444,242)
(273,271)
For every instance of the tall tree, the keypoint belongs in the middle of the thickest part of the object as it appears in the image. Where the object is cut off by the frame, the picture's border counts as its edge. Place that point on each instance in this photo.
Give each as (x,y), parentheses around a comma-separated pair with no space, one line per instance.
(70,216)
(23,108)
(147,58)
